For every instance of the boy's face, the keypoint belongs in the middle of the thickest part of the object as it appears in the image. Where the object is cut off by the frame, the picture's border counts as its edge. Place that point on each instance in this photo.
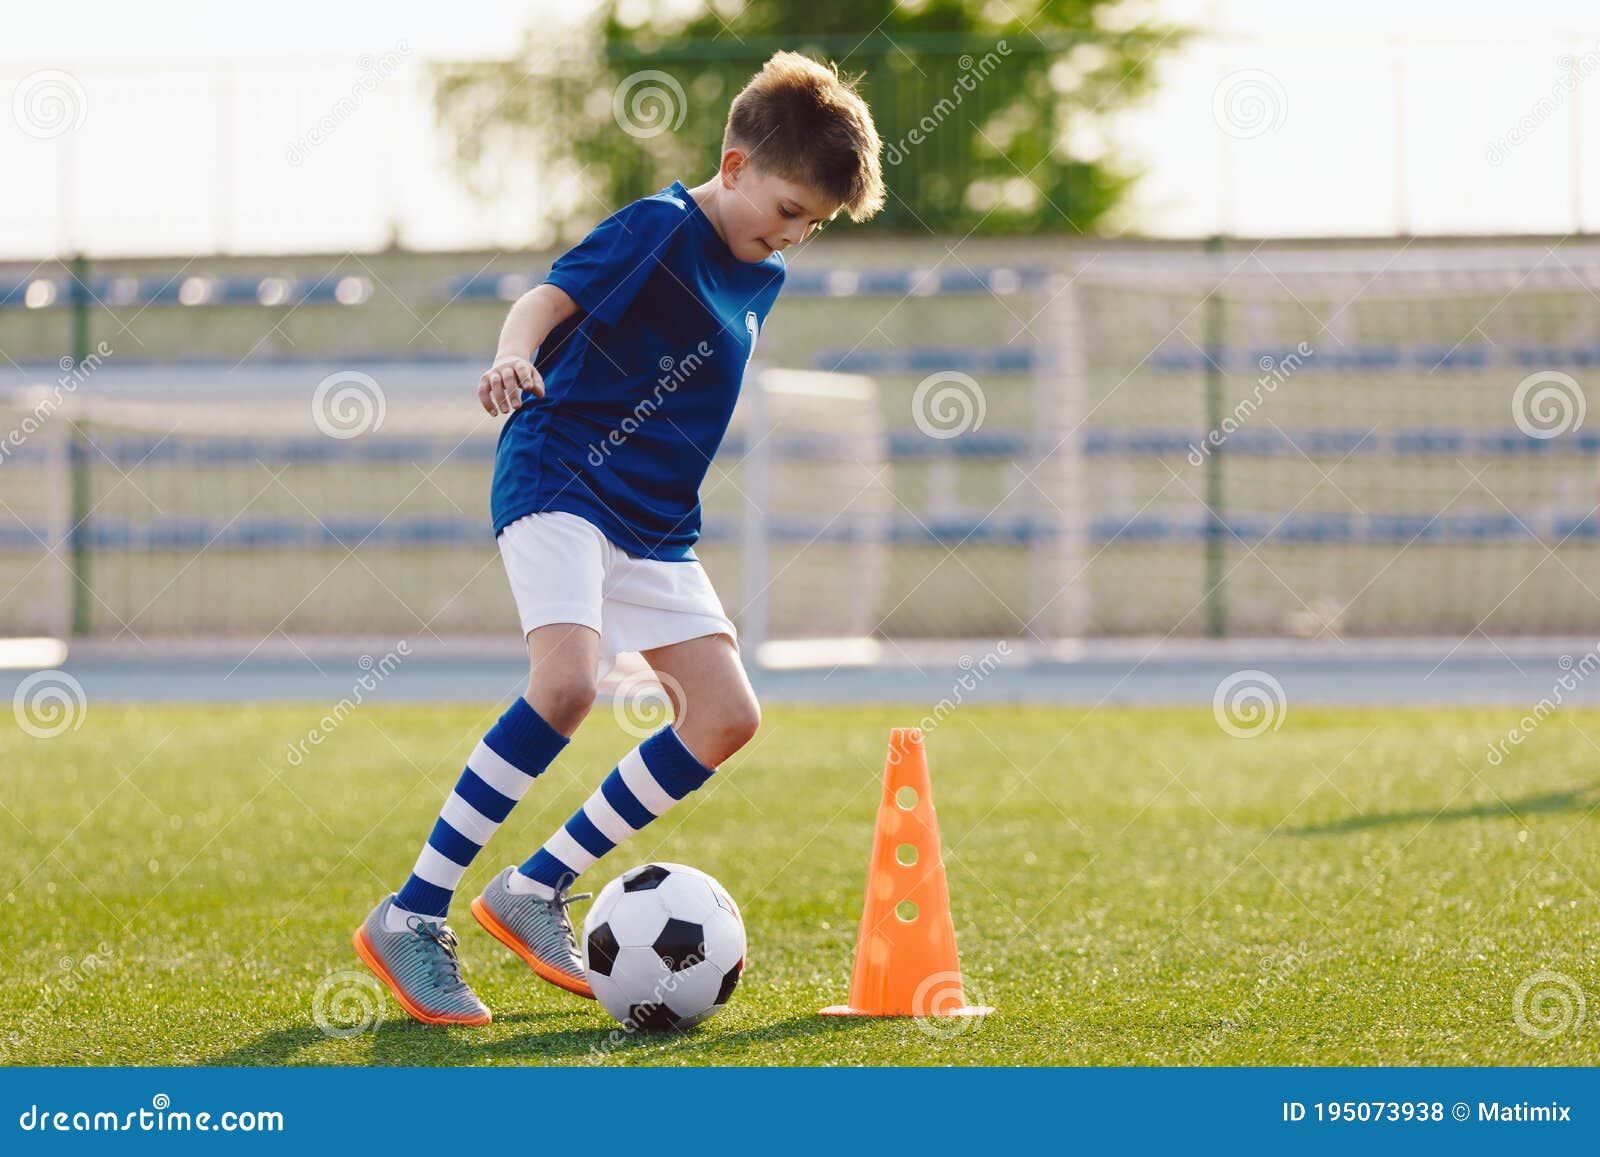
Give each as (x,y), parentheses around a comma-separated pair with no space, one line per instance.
(763,212)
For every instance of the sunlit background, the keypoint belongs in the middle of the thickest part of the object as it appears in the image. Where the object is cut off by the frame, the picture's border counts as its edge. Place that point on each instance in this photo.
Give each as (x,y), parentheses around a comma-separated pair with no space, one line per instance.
(1366,118)
(1183,320)
(1210,396)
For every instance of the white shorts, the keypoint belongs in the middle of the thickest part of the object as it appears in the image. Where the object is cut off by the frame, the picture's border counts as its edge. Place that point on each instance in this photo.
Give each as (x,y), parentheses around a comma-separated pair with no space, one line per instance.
(563,570)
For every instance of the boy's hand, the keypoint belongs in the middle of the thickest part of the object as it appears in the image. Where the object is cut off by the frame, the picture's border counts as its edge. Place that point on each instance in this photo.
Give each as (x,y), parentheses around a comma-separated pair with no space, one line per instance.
(501,388)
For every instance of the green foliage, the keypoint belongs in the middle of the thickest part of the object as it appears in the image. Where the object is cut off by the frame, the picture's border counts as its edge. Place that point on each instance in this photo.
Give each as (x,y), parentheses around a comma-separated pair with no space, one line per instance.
(989,113)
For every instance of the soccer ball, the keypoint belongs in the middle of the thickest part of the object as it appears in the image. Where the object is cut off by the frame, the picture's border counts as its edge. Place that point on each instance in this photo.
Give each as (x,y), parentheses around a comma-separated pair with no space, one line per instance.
(663,946)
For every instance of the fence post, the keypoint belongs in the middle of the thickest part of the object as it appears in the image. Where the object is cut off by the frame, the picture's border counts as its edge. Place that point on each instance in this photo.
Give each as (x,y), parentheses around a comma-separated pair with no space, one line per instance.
(78,455)
(1058,577)
(753,627)
(1216,524)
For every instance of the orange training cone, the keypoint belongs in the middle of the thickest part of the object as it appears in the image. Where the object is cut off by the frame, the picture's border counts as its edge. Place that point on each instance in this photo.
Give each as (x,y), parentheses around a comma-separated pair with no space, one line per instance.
(906,963)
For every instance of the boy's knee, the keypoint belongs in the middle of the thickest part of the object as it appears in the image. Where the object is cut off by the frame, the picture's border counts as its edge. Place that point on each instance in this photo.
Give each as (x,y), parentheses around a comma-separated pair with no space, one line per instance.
(562,700)
(739,724)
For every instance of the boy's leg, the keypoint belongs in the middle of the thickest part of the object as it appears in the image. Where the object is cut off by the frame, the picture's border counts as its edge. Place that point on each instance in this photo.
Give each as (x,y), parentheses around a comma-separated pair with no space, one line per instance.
(405,940)
(720,714)
(532,732)
(716,716)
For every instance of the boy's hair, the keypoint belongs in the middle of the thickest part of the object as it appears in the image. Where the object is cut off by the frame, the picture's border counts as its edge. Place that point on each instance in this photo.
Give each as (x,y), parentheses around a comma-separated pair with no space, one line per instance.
(801,121)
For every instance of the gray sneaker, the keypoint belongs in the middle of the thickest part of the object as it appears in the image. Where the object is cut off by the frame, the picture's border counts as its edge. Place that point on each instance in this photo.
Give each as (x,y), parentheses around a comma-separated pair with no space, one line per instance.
(420,967)
(539,931)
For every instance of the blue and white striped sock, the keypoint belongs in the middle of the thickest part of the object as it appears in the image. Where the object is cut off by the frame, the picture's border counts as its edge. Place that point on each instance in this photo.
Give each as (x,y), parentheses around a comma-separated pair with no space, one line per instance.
(498,774)
(649,780)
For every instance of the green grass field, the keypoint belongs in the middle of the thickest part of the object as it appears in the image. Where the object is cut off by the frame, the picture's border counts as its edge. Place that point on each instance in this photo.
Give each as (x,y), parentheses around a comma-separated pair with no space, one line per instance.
(1130,886)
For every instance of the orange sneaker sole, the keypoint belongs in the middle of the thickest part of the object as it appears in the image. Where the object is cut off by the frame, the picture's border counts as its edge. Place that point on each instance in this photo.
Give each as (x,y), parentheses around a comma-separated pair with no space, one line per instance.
(364,950)
(500,932)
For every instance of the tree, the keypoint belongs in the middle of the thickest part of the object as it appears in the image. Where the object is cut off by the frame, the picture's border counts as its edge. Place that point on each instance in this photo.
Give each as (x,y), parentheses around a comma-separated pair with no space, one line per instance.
(989,114)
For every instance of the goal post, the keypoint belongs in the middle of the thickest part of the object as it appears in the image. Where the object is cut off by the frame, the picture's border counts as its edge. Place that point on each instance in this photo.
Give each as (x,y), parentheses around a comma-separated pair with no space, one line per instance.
(815,471)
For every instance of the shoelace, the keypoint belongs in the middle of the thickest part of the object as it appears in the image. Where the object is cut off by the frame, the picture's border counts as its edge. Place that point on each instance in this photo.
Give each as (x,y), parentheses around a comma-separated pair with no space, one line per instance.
(558,905)
(444,965)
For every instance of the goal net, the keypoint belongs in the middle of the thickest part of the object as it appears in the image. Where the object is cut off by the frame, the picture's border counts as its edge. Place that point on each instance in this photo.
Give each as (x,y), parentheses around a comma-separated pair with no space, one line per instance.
(308,500)
(1345,441)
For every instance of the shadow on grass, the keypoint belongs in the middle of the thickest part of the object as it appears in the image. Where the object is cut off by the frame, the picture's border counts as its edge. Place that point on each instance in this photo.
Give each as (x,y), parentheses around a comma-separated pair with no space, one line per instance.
(1575,799)
(708,1040)
(398,1040)
(548,1036)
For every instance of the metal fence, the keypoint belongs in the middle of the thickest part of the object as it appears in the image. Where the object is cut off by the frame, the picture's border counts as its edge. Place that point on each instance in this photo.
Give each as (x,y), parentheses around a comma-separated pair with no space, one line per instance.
(1369,442)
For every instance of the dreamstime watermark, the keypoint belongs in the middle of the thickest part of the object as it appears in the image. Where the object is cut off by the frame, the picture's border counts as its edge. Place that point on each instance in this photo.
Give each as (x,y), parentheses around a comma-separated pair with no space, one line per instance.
(1274,372)
(643,703)
(49,703)
(46,400)
(1249,703)
(1548,1004)
(1571,71)
(1275,969)
(973,673)
(649,103)
(347,404)
(937,1003)
(948,404)
(376,671)
(347,1003)
(1548,404)
(76,973)
(642,1012)
(49,103)
(374,71)
(1574,672)
(1249,103)
(973,73)
(160,1117)
(674,372)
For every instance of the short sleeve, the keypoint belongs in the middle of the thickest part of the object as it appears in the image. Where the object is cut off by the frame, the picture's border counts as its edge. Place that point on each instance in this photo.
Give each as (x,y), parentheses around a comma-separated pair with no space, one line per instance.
(604,272)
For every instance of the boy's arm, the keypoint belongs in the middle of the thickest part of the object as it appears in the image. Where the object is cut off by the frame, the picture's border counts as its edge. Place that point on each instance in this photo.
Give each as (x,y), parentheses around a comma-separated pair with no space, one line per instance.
(530,321)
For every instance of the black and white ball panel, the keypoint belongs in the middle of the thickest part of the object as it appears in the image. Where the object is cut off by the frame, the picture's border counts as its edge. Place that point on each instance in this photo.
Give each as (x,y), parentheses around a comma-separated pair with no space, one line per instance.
(664,946)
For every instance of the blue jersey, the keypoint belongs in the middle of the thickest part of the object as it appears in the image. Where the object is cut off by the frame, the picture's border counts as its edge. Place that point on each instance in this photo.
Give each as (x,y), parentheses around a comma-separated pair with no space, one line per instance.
(640,383)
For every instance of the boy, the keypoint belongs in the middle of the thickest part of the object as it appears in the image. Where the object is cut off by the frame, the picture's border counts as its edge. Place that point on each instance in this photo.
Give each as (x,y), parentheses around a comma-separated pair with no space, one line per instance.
(639,338)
